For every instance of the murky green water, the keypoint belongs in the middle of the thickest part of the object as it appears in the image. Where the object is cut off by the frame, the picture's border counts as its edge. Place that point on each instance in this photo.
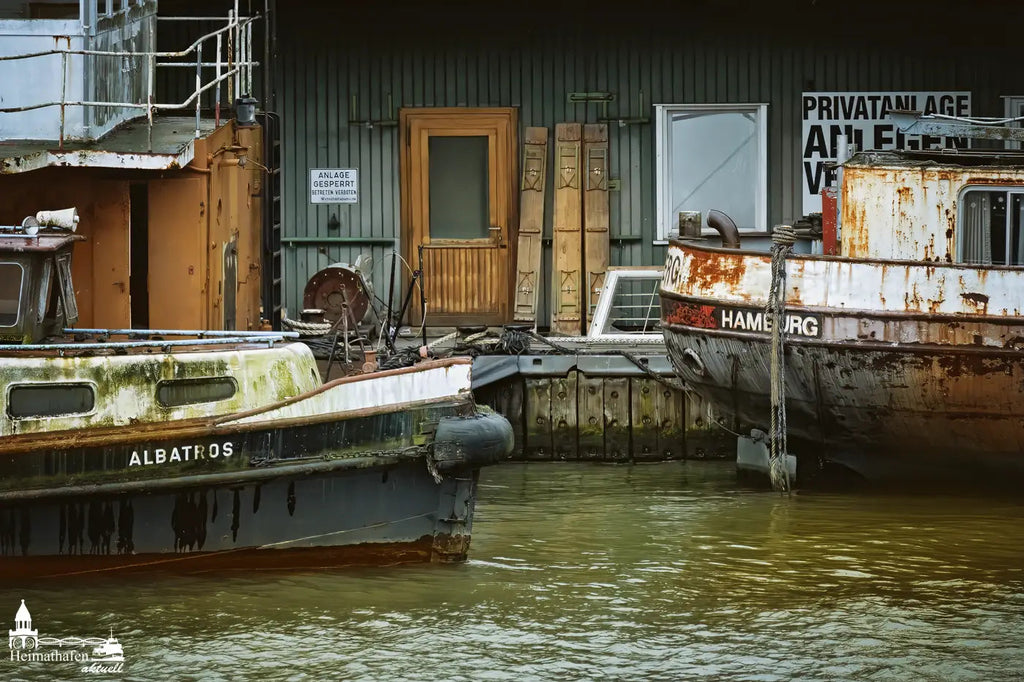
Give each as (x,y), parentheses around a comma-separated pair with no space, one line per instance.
(665,571)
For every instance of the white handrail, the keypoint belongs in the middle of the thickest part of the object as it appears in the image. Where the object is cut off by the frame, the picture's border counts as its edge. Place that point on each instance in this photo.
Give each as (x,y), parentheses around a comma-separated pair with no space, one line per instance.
(233,65)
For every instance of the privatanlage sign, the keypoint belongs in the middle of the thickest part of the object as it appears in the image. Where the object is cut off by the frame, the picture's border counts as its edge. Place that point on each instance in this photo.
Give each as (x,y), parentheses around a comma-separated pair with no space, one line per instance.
(333,185)
(863,118)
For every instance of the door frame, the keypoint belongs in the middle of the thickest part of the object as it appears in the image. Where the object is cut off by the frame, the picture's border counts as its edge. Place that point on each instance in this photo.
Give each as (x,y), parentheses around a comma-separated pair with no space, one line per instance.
(508,194)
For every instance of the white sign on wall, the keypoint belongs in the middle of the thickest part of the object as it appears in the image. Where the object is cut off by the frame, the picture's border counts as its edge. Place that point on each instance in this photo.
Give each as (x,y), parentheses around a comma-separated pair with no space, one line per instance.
(863,118)
(333,185)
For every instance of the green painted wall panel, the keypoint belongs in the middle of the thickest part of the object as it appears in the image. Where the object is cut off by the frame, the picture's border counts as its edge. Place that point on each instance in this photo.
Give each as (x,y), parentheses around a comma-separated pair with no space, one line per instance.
(528,62)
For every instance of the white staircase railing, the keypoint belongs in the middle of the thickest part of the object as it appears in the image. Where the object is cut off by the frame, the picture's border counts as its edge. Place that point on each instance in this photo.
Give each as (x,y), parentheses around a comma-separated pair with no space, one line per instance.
(220,57)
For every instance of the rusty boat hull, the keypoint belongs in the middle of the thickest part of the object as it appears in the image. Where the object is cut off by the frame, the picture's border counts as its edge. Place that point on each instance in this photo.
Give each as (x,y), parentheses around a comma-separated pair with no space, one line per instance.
(307,482)
(922,386)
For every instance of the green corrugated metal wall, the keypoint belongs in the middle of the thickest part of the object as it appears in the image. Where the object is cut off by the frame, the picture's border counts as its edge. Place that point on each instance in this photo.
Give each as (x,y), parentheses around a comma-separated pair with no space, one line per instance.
(532,62)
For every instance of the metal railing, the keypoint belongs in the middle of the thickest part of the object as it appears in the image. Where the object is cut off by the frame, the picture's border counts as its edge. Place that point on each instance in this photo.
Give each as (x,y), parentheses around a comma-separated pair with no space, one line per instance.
(629,308)
(233,66)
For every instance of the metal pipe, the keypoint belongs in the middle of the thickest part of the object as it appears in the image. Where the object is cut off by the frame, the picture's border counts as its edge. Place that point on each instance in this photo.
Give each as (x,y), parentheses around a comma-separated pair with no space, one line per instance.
(231,56)
(211,333)
(726,227)
(216,107)
(199,84)
(63,95)
(423,298)
(112,345)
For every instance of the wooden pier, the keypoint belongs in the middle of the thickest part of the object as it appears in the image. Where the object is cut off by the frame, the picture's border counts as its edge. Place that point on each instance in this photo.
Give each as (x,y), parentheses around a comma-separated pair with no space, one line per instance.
(597,408)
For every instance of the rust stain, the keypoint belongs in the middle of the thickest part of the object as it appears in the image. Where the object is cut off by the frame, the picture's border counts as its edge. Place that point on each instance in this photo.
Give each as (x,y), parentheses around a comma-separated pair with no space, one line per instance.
(978,300)
(708,270)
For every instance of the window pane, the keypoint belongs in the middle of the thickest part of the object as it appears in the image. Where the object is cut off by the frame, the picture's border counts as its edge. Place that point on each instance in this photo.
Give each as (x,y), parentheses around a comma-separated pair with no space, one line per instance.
(714,165)
(177,392)
(459,187)
(983,227)
(1016,225)
(10,293)
(67,289)
(50,400)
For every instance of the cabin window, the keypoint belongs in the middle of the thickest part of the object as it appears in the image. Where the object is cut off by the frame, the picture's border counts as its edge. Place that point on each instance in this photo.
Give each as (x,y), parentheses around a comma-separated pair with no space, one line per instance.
(11,277)
(67,289)
(991,222)
(712,156)
(45,278)
(178,392)
(50,400)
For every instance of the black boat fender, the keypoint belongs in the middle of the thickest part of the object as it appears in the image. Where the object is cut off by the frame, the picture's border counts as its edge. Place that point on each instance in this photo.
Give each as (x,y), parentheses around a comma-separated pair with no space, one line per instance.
(469,442)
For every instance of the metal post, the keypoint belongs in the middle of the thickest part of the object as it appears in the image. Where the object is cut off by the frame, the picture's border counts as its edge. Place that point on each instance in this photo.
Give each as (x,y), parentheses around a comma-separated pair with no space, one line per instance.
(231,57)
(216,109)
(199,83)
(63,93)
(150,81)
(248,59)
(238,51)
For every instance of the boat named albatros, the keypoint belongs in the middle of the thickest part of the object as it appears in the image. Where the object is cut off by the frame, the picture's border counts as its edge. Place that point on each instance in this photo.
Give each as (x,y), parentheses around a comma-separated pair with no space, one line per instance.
(904,340)
(140,449)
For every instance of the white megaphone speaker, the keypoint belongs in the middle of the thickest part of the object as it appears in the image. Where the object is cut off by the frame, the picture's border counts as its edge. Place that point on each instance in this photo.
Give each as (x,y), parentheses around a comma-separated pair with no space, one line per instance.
(65,219)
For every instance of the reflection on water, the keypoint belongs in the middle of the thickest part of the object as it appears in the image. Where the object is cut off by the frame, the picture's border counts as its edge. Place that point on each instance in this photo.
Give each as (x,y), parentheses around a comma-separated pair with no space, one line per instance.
(591,571)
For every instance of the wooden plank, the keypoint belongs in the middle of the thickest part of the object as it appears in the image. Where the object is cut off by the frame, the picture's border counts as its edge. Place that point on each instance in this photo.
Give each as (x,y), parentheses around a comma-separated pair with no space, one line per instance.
(643,395)
(616,419)
(563,416)
(566,317)
(671,420)
(531,223)
(512,402)
(590,402)
(595,212)
(537,409)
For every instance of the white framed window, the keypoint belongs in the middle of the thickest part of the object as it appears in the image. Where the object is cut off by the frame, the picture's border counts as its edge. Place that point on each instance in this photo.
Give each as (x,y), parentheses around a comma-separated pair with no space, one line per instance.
(991,225)
(712,156)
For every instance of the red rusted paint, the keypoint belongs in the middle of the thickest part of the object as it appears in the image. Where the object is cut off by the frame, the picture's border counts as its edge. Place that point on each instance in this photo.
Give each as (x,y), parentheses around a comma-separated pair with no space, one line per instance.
(829,231)
(689,314)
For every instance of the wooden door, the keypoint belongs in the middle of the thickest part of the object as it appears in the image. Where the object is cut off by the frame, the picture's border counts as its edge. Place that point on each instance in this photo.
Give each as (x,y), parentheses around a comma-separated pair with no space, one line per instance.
(458,203)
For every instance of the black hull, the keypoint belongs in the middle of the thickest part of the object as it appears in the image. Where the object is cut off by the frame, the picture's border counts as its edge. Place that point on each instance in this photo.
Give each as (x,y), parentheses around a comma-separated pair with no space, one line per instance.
(368,489)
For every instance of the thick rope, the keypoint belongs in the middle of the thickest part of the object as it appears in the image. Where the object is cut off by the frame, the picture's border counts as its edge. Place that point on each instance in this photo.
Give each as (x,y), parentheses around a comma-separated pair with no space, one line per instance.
(307,328)
(783,239)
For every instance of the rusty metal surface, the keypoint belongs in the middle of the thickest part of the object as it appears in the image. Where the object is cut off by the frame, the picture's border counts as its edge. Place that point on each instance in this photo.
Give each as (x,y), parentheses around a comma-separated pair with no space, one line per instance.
(863,405)
(893,208)
(173,147)
(43,242)
(847,285)
(338,291)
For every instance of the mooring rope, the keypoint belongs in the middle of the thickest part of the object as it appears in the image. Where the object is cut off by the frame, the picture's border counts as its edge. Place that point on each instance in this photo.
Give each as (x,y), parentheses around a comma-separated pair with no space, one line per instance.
(783,239)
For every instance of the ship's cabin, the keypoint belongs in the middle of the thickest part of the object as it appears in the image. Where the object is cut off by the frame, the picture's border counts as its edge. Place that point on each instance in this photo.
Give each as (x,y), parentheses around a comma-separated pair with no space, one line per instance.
(938,206)
(37,298)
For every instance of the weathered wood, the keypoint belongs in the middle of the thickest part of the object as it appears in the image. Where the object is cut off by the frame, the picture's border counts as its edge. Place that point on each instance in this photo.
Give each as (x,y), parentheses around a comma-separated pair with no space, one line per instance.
(566,314)
(510,404)
(672,409)
(596,215)
(563,416)
(616,418)
(704,439)
(537,408)
(643,395)
(590,404)
(467,279)
(531,223)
